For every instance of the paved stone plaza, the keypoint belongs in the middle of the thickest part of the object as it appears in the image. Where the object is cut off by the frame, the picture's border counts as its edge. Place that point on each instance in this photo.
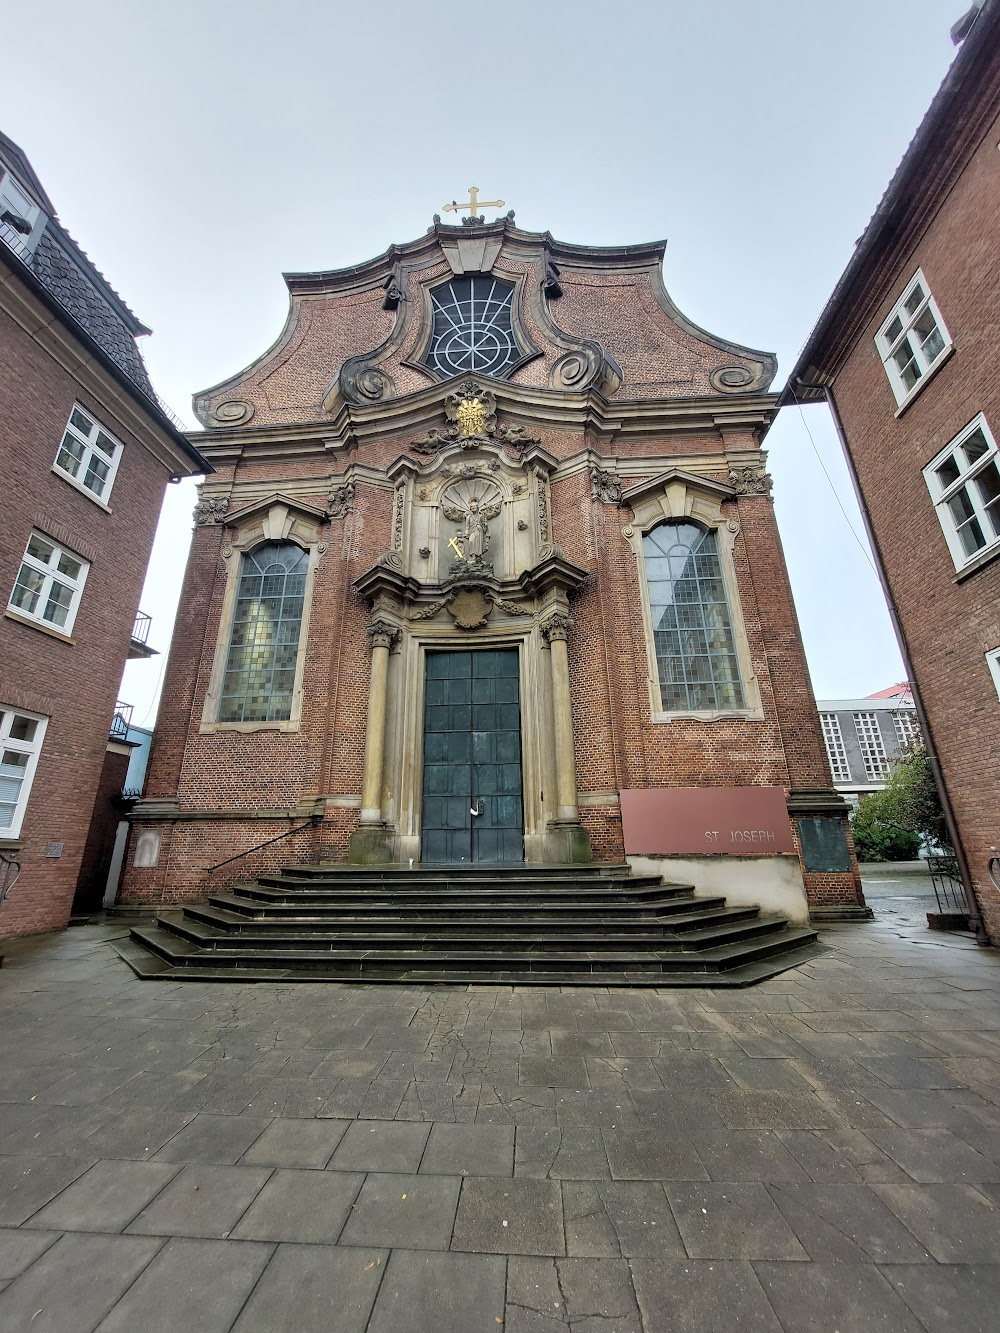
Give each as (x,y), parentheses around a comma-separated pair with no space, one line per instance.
(817,1153)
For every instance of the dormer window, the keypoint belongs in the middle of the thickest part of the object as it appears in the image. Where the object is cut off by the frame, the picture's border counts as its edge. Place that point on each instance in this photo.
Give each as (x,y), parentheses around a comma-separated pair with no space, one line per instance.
(18,213)
(473,327)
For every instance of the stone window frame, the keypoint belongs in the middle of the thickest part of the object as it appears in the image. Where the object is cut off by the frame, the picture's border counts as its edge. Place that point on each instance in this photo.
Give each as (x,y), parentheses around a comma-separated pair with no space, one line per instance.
(526,346)
(680,500)
(277,522)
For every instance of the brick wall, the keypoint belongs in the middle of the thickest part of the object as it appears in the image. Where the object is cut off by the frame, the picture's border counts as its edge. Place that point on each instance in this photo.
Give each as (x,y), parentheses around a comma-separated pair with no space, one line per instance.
(949,623)
(74,684)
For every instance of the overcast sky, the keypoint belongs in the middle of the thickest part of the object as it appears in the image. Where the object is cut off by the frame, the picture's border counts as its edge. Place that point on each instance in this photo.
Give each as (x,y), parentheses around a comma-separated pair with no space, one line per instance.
(199,148)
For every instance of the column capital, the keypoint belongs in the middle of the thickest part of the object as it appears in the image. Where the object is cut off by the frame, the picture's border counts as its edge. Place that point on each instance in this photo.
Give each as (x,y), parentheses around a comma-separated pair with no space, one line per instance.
(383,633)
(557,627)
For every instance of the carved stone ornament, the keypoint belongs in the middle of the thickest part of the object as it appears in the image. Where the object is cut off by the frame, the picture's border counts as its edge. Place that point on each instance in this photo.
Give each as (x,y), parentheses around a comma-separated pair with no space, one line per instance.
(211,511)
(368,386)
(731,379)
(570,370)
(233,412)
(393,289)
(557,627)
(750,481)
(605,486)
(382,633)
(470,607)
(340,501)
(471,413)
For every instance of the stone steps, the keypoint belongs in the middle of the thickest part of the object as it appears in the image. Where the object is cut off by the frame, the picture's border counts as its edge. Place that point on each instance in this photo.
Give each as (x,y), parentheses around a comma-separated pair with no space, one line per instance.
(506,925)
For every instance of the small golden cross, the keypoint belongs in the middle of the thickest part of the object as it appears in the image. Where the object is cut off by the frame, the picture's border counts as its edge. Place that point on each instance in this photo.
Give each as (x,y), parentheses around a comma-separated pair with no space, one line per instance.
(473,205)
(453,543)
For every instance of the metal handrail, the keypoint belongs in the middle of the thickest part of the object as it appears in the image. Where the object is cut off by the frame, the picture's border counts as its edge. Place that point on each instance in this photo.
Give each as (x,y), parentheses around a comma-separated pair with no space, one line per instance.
(10,869)
(312,822)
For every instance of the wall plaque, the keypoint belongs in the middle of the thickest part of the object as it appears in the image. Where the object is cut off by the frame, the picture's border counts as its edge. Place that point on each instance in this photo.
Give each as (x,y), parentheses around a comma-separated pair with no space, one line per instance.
(699,821)
(824,843)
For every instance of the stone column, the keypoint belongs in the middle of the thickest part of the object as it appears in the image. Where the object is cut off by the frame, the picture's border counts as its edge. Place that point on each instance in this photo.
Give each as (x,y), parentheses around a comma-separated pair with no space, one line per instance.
(567,840)
(370,843)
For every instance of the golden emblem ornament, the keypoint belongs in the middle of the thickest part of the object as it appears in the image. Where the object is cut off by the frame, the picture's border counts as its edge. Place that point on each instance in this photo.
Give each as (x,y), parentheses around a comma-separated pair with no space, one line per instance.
(471,415)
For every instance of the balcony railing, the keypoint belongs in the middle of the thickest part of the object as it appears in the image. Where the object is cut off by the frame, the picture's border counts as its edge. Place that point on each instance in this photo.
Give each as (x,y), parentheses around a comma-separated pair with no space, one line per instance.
(121,721)
(140,630)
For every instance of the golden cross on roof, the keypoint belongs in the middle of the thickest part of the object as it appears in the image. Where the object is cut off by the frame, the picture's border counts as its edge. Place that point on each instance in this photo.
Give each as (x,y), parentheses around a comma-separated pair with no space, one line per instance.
(473,205)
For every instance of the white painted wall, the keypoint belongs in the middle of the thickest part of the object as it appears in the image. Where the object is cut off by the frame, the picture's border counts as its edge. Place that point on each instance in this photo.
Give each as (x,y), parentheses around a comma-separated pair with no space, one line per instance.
(773,883)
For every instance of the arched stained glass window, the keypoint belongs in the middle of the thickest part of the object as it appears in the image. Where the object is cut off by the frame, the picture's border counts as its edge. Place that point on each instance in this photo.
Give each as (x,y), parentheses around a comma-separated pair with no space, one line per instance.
(692,629)
(264,645)
(473,327)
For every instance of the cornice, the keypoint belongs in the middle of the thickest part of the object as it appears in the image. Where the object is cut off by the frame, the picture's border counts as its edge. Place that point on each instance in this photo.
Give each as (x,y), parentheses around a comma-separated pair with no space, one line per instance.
(373,272)
(603,419)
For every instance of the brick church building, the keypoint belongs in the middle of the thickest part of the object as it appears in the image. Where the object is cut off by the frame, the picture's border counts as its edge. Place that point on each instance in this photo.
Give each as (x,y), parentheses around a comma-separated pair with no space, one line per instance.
(488,572)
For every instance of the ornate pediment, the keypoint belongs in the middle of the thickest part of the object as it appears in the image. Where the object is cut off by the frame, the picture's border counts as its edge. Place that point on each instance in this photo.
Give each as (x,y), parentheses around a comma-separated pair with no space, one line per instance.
(470,411)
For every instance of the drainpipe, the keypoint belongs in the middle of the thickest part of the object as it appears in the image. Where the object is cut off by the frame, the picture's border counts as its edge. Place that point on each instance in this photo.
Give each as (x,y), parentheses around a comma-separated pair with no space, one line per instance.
(949,814)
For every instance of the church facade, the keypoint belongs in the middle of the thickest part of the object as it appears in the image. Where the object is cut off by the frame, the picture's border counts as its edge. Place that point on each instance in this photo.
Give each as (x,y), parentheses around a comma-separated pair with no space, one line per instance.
(488,571)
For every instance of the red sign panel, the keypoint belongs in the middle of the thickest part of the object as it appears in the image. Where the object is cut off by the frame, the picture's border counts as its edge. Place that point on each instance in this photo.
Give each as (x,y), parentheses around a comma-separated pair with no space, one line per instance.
(695,821)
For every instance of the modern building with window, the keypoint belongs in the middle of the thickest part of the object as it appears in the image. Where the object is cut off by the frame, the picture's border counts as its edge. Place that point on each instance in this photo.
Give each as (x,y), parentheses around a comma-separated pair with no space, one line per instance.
(88,451)
(488,573)
(907,356)
(865,737)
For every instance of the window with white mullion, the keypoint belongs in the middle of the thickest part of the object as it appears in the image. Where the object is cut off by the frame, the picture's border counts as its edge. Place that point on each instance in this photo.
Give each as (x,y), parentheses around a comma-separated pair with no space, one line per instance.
(912,338)
(88,455)
(964,482)
(836,751)
(21,737)
(871,745)
(907,728)
(49,583)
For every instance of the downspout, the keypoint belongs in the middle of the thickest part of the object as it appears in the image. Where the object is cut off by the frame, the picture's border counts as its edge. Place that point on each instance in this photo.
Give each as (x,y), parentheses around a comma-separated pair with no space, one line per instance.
(949,814)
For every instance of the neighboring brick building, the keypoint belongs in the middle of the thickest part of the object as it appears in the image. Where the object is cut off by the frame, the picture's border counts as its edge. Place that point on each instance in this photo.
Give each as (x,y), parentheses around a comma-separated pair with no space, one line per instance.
(907,355)
(489,465)
(87,454)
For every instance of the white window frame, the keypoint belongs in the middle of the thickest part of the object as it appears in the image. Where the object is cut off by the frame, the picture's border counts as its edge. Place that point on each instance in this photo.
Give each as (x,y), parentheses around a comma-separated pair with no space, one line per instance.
(51,574)
(31,748)
(907,728)
(993,662)
(872,746)
(887,347)
(942,494)
(91,452)
(836,750)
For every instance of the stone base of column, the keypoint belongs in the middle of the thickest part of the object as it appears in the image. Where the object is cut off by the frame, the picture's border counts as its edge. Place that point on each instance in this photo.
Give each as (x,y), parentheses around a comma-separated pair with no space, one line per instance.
(567,844)
(370,845)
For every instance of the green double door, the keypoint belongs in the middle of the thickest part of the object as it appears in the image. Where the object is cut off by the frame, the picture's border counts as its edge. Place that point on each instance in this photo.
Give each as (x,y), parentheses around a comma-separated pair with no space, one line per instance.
(472,806)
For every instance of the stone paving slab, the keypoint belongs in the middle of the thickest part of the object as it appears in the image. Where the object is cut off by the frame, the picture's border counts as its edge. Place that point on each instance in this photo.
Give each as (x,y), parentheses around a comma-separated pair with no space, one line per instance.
(821,1151)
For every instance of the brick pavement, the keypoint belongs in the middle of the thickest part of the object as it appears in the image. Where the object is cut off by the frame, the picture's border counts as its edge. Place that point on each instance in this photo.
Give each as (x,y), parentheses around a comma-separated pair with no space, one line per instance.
(818,1152)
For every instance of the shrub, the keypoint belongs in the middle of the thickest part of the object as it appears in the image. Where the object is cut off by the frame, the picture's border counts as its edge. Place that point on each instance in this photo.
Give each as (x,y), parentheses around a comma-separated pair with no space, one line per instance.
(890,825)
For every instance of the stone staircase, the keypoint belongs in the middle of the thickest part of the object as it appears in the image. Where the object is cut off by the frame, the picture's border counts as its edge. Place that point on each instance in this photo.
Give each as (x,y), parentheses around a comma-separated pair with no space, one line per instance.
(595,925)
